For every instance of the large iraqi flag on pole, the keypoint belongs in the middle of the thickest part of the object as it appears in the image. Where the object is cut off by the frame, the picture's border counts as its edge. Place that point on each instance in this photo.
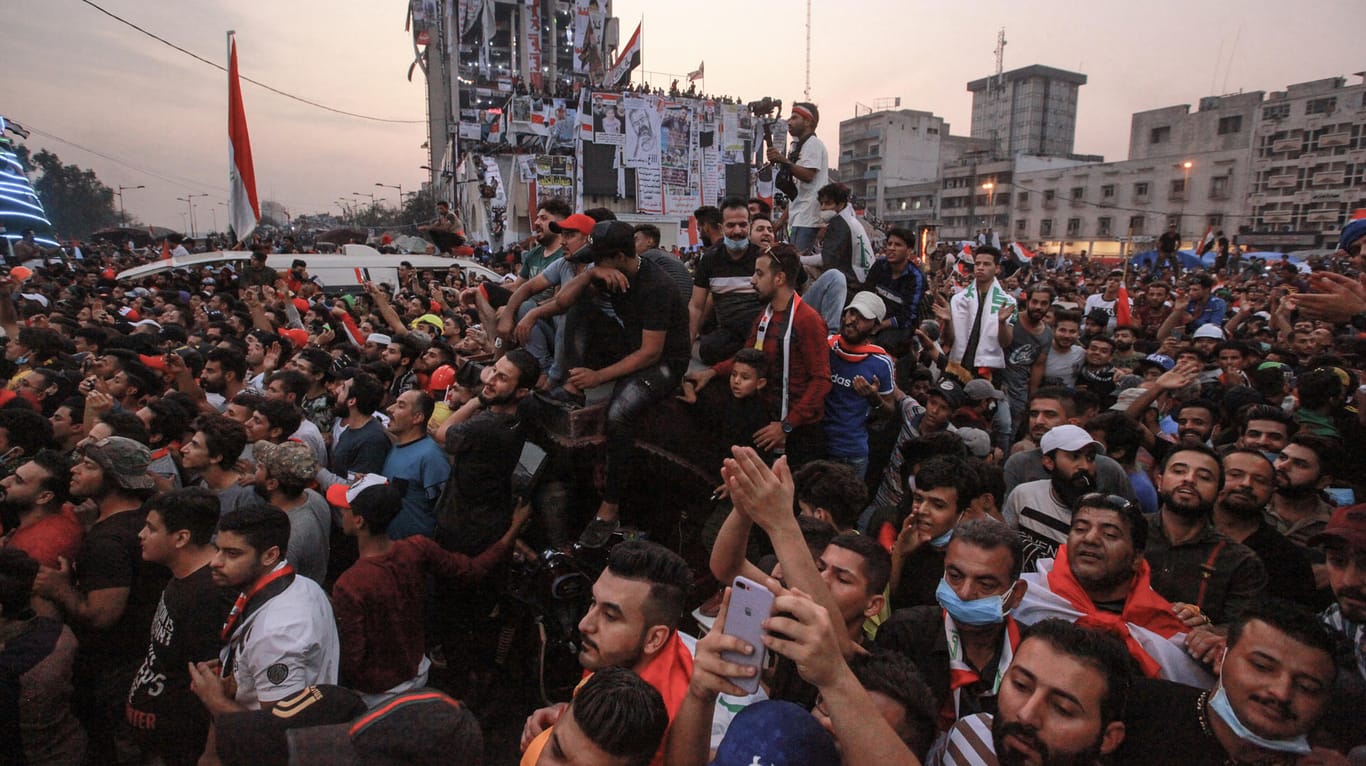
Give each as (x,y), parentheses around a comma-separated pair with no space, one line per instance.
(620,72)
(244,209)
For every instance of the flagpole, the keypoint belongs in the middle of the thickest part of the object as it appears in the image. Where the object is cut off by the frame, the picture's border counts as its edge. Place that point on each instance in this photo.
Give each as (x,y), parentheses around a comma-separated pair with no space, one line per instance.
(231,169)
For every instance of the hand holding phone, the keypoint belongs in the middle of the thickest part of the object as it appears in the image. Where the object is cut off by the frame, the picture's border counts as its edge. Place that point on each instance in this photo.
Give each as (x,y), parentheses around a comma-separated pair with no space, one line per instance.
(750,605)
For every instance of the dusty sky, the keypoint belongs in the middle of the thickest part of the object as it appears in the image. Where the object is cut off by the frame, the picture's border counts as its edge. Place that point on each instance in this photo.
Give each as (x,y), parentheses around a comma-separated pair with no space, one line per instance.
(75,73)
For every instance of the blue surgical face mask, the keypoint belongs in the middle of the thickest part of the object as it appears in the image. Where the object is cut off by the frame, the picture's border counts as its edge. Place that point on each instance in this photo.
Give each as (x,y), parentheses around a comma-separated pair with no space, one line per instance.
(736,244)
(21,360)
(1220,705)
(979,611)
(942,541)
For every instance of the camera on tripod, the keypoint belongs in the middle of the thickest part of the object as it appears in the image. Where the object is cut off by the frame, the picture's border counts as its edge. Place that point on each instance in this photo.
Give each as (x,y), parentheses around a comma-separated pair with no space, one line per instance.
(765,107)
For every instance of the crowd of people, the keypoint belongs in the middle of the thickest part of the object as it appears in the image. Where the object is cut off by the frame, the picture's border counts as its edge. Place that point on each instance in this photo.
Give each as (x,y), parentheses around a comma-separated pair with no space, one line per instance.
(1002,511)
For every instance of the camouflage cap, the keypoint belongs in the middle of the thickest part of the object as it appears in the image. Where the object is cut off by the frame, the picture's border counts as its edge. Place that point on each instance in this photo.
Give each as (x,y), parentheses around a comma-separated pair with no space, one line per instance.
(124,461)
(288,460)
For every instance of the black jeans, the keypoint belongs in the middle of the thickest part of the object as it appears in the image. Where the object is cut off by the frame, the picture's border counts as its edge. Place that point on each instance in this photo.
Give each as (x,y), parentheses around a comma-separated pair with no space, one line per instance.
(633,394)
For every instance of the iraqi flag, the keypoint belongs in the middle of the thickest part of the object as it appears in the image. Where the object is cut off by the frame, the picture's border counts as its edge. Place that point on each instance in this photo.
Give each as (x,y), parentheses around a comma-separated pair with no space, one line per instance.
(698,73)
(628,60)
(1022,253)
(1206,242)
(244,211)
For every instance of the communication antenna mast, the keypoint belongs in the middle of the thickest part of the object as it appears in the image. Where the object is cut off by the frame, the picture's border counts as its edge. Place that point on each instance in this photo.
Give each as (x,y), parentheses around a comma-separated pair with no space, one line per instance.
(1000,56)
(806,92)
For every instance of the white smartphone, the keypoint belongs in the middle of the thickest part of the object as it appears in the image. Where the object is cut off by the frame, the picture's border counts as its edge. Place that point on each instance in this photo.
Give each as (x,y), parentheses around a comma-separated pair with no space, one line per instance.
(750,605)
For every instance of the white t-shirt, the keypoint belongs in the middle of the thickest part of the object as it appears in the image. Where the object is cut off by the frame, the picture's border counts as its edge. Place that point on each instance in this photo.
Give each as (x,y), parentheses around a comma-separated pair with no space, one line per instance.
(805,211)
(1043,523)
(288,644)
(1097,301)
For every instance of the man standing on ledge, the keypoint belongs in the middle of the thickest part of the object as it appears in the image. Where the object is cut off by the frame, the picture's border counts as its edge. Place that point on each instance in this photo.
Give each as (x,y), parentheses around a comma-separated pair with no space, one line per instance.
(809,163)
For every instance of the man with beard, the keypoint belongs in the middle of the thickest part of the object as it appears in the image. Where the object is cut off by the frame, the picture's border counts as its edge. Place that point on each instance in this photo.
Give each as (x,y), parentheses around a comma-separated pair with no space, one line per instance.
(1060,361)
(1152,312)
(1344,543)
(34,512)
(861,379)
(1197,422)
(1298,509)
(548,243)
(1249,480)
(1050,407)
(225,369)
(113,594)
(1192,563)
(1060,703)
(1100,579)
(362,445)
(1126,356)
(1274,689)
(283,474)
(722,281)
(415,463)
(315,364)
(1042,509)
(1266,428)
(1031,336)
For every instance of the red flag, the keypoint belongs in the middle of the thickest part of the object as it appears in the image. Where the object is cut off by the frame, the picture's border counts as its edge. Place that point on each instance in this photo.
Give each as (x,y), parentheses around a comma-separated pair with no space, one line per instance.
(244,211)
(165,250)
(1123,315)
(1206,242)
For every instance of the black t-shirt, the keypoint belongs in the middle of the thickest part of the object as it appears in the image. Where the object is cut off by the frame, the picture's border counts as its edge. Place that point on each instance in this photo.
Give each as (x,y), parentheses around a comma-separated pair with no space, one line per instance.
(477,506)
(920,578)
(1289,574)
(186,629)
(1162,726)
(1167,242)
(111,557)
(652,303)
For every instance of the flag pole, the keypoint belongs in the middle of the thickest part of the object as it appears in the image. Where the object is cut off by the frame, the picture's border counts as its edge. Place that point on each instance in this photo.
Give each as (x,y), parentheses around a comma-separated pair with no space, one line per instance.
(231,170)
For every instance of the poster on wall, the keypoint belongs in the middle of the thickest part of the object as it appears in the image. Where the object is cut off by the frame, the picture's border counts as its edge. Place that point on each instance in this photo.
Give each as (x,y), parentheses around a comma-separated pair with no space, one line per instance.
(554,178)
(649,192)
(607,119)
(531,26)
(642,134)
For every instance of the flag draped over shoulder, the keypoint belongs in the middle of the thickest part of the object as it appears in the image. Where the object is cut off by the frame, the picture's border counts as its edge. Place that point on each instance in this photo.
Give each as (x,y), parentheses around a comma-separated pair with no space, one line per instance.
(244,209)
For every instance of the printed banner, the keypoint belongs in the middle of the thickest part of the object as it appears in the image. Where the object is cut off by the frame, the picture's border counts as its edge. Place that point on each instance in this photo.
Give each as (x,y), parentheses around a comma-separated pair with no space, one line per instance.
(607,119)
(531,24)
(649,196)
(642,134)
(554,178)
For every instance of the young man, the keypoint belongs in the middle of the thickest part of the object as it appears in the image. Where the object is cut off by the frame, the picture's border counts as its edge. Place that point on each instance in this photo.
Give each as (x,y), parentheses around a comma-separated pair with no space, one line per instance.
(417,460)
(845,256)
(211,456)
(1297,508)
(809,163)
(178,534)
(1042,509)
(34,510)
(281,636)
(615,719)
(980,327)
(901,285)
(362,444)
(722,282)
(1105,300)
(1061,702)
(1058,366)
(379,600)
(1265,428)
(944,488)
(1030,337)
(283,475)
(1249,480)
(1344,544)
(861,382)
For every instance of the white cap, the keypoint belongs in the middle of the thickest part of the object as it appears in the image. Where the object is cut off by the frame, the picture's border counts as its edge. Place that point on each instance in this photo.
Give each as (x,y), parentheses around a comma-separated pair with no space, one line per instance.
(869,306)
(1208,331)
(379,339)
(1070,438)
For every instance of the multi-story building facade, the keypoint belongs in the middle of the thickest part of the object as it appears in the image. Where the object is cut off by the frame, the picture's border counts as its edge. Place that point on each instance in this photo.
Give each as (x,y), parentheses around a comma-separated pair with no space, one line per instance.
(1032,110)
(888,148)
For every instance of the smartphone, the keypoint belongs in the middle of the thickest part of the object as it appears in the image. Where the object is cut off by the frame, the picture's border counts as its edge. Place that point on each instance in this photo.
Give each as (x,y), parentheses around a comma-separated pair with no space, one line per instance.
(750,605)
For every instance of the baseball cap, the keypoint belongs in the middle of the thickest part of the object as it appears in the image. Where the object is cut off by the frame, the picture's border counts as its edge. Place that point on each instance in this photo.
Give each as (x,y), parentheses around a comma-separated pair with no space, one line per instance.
(379,339)
(868,305)
(413,729)
(1208,331)
(952,392)
(776,733)
(123,460)
(259,737)
(428,319)
(609,238)
(286,460)
(576,222)
(977,441)
(1354,230)
(1070,438)
(341,495)
(1155,360)
(1347,524)
(978,389)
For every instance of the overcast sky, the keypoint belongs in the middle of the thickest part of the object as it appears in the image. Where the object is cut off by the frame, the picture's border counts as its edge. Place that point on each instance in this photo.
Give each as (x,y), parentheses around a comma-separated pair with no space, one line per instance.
(77,74)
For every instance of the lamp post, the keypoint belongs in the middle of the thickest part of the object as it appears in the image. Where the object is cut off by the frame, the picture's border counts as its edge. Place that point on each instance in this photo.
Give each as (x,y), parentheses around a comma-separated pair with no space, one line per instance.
(123,219)
(189,204)
(395,187)
(990,188)
(214,210)
(371,195)
(1185,195)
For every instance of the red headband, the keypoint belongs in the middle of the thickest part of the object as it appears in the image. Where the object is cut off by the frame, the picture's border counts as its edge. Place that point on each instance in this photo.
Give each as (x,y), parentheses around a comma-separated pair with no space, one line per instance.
(804,113)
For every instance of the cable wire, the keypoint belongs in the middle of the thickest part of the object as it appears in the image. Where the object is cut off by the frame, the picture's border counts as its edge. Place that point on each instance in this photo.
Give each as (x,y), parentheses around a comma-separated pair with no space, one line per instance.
(257,83)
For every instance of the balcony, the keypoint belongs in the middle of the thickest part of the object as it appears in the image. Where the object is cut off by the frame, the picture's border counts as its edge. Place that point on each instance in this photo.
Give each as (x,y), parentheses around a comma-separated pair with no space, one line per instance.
(1323,216)
(1328,178)
(1287,145)
(1331,140)
(1284,181)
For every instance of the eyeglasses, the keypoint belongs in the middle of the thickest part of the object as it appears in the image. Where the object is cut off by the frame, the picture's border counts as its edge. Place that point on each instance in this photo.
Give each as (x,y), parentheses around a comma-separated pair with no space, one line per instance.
(1108,502)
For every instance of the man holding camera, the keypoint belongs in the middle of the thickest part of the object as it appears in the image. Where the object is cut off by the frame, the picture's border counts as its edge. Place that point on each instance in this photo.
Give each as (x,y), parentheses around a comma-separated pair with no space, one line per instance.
(808,162)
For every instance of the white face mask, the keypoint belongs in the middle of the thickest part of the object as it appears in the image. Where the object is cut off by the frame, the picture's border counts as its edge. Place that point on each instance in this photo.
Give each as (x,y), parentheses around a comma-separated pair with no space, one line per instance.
(829,215)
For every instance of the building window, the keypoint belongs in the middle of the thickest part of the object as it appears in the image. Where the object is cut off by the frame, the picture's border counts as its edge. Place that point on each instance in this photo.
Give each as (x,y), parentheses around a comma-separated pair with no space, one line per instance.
(1141,189)
(1048,195)
(1103,226)
(1078,192)
(1178,188)
(1216,220)
(1233,124)
(1022,225)
(1136,224)
(1160,135)
(1073,227)
(1276,112)
(1321,105)
(1023,197)
(1107,191)
(1046,227)
(1218,187)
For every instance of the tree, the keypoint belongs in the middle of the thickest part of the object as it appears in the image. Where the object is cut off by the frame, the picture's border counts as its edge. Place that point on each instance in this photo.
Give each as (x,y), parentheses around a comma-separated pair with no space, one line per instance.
(77,203)
(273,213)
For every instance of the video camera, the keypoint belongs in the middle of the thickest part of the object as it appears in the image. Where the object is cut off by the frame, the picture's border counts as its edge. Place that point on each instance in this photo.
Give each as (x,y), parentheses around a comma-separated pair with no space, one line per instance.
(765,106)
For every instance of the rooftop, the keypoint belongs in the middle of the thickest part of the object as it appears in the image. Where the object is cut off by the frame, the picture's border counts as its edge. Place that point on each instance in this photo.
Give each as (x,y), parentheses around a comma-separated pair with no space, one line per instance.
(1025,73)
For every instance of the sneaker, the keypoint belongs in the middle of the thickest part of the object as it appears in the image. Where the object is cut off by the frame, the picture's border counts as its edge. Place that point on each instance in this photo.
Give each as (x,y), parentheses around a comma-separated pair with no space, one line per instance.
(598,532)
(560,395)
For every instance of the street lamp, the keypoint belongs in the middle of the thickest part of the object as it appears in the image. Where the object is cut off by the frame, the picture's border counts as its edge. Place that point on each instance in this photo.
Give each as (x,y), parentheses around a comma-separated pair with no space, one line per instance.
(365,194)
(396,187)
(214,210)
(990,188)
(1185,195)
(189,203)
(123,220)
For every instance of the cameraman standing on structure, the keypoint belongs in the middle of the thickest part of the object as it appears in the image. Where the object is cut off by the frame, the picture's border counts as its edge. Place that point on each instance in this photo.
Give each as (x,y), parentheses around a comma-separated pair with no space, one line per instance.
(808,163)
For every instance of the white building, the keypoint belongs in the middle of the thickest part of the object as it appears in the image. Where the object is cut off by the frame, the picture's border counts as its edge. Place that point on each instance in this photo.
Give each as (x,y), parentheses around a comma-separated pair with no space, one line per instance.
(887,149)
(1032,110)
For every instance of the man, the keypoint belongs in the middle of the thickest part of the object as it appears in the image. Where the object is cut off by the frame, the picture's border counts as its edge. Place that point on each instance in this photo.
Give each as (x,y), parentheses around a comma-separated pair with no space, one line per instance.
(1265,428)
(901,285)
(166,422)
(257,273)
(1197,422)
(1275,679)
(963,644)
(1060,363)
(983,411)
(34,510)
(1105,300)
(861,376)
(178,534)
(1042,509)
(400,355)
(211,457)
(315,364)
(485,444)
(632,624)
(1192,563)
(761,231)
(1048,408)
(114,594)
(292,386)
(944,490)
(379,600)
(283,475)
(1167,243)
(1060,702)
(548,242)
(362,444)
(1249,480)
(653,355)
(846,254)
(221,379)
(1097,374)
(615,719)
(980,327)
(1298,509)
(281,635)
(68,424)
(1151,314)
(1202,306)
(1030,337)
(1343,541)
(445,228)
(1100,579)
(417,462)
(1126,356)
(722,280)
(793,337)
(809,164)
